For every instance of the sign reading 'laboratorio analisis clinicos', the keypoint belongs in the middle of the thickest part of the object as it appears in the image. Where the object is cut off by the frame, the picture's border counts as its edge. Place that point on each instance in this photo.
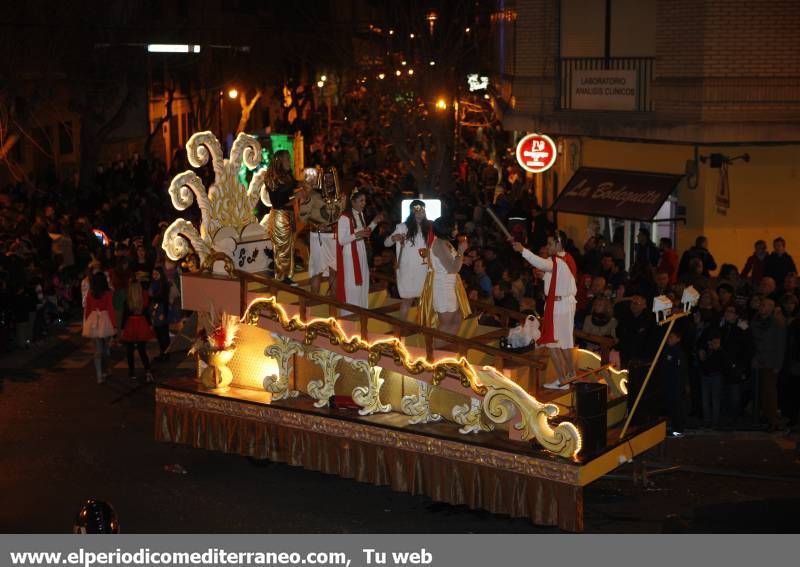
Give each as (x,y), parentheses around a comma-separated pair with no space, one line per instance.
(600,89)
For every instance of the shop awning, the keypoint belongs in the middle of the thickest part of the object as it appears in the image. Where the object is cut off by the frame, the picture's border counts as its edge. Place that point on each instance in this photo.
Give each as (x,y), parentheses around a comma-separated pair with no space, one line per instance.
(616,193)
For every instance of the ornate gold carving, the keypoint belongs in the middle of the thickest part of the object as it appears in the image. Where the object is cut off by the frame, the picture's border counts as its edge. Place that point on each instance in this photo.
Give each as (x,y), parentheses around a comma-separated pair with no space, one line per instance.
(369,396)
(505,399)
(269,307)
(418,405)
(470,417)
(500,394)
(211,259)
(226,204)
(322,390)
(282,351)
(566,472)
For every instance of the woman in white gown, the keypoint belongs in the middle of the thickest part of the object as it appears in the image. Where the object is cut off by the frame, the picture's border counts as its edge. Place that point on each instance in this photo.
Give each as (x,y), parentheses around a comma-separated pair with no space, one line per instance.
(352,269)
(444,301)
(409,237)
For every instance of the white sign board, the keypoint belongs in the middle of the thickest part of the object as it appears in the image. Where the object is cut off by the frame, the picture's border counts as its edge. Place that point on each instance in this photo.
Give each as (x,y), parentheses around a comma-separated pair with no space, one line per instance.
(251,256)
(477,82)
(603,89)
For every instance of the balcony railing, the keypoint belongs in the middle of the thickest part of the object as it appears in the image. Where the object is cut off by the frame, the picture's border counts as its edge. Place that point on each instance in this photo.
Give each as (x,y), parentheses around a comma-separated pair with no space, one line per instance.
(605,84)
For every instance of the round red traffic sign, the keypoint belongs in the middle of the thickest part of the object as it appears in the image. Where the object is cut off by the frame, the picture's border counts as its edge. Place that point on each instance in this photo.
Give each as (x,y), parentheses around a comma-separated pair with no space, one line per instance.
(536,153)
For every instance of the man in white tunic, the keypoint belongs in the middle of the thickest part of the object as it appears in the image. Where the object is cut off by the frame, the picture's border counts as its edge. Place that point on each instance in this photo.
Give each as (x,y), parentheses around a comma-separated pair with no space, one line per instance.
(352,269)
(409,237)
(559,314)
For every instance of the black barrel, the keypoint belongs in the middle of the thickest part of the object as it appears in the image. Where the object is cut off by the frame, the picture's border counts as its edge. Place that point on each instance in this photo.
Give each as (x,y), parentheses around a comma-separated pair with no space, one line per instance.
(590,406)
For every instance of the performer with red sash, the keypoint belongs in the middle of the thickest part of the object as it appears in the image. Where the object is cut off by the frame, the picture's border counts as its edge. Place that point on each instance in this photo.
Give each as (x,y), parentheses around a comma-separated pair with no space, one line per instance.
(352,270)
(559,312)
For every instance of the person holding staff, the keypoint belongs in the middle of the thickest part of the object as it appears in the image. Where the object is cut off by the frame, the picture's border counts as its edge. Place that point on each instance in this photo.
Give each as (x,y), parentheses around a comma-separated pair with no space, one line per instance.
(352,269)
(559,313)
(443,302)
(409,237)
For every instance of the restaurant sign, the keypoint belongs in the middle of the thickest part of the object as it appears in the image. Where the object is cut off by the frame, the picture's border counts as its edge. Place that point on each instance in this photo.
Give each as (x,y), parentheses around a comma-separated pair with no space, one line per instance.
(616,193)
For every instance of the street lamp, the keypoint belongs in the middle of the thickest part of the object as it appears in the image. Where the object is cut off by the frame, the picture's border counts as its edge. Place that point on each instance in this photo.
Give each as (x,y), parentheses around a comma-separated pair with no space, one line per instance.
(233,93)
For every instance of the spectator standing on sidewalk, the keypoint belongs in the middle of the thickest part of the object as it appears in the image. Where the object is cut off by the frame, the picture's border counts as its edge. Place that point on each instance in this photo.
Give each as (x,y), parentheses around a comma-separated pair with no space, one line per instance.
(99,323)
(769,338)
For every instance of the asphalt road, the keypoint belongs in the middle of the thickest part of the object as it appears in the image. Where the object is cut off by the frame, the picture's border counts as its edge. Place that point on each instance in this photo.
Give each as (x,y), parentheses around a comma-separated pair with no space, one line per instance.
(64,438)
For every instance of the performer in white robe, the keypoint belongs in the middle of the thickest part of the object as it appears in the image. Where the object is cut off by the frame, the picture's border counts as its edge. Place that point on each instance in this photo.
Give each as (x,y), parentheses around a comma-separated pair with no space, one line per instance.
(559,316)
(443,303)
(352,270)
(408,238)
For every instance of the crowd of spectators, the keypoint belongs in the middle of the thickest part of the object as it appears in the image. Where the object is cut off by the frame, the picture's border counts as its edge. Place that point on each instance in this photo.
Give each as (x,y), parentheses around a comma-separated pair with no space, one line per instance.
(55,234)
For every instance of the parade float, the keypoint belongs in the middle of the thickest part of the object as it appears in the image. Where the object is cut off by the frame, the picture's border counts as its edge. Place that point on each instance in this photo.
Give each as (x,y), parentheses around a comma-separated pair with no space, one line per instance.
(370,396)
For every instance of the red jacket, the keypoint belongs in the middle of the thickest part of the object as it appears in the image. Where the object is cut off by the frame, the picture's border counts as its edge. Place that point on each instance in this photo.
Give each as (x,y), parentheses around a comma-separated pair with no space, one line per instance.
(103,304)
(669,264)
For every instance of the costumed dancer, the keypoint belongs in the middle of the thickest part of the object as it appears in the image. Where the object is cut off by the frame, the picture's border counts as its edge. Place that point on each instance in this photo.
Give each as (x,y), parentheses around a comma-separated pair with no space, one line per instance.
(443,302)
(282,187)
(136,329)
(322,258)
(322,234)
(409,237)
(559,312)
(352,269)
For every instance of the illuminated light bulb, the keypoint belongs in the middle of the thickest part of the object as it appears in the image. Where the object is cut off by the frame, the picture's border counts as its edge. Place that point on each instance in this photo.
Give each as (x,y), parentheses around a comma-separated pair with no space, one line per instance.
(320,84)
(486,96)
(391,32)
(411,35)
(467,30)
(432,63)
(323,78)
(411,71)
(398,72)
(441,104)
(233,93)
(381,76)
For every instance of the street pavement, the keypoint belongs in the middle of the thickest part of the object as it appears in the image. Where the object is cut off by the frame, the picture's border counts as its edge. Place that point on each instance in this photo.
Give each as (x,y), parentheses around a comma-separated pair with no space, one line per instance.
(64,438)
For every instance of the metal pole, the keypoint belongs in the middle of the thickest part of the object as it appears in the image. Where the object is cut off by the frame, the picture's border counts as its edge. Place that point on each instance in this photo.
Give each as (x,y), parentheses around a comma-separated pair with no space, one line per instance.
(219,118)
(671,320)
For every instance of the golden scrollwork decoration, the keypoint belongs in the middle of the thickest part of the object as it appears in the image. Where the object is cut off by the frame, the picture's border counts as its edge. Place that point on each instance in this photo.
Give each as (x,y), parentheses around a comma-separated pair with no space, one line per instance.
(505,400)
(211,259)
(282,350)
(470,417)
(418,405)
(502,399)
(393,348)
(322,390)
(369,396)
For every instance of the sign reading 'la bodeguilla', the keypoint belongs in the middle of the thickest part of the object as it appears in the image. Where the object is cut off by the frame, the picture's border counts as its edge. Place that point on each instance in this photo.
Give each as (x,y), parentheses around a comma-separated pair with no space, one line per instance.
(616,193)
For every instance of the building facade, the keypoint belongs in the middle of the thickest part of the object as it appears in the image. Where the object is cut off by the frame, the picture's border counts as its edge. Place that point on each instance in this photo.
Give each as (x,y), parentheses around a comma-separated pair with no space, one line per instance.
(683,87)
